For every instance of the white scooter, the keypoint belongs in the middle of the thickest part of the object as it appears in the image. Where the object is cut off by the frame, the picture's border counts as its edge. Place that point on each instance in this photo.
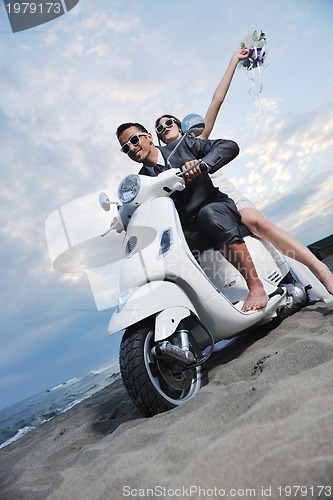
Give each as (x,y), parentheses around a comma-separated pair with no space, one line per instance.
(172,307)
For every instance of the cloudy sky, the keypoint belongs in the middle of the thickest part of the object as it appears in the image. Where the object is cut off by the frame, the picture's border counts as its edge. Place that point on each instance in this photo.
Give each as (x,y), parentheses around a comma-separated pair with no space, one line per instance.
(66,86)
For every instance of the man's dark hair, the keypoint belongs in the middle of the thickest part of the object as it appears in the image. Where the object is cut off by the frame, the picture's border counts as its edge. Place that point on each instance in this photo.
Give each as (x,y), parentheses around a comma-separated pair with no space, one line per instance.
(125,126)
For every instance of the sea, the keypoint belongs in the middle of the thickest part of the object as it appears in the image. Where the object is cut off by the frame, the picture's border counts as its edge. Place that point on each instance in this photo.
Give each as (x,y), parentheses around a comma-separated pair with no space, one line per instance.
(23,417)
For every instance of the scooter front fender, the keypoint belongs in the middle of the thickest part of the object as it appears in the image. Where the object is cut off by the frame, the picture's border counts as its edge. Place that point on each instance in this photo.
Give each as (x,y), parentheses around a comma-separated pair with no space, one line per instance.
(150,299)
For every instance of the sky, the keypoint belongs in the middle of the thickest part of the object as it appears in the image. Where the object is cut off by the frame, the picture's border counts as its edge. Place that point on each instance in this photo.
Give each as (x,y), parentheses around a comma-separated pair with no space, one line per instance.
(65,87)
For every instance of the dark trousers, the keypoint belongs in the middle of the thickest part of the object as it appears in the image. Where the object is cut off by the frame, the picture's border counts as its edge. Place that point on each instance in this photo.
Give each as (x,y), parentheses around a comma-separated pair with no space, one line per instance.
(215,226)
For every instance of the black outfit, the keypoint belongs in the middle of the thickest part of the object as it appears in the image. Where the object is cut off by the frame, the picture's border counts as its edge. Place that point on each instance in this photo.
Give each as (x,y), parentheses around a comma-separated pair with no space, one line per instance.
(209,217)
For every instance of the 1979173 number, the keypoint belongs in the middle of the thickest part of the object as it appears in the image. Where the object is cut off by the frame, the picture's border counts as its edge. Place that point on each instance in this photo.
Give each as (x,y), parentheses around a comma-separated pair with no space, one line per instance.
(34,8)
(305,491)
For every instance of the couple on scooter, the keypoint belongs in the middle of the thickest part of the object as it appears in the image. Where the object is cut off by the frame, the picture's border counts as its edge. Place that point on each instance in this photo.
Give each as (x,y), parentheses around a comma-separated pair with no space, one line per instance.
(209,217)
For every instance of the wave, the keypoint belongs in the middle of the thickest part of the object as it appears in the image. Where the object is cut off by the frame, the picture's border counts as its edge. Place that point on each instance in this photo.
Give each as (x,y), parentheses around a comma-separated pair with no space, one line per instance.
(72,381)
(104,368)
(56,387)
(64,384)
(20,433)
(29,414)
(72,404)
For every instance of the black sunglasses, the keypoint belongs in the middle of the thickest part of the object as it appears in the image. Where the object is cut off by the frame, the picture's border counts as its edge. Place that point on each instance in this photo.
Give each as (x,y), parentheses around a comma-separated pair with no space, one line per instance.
(167,124)
(134,140)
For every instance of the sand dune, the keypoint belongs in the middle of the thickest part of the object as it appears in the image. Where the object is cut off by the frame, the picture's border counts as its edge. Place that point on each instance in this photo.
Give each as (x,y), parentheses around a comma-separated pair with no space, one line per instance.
(262,427)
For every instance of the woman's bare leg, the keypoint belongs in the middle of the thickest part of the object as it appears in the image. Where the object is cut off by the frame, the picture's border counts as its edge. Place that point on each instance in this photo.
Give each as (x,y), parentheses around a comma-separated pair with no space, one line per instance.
(286,244)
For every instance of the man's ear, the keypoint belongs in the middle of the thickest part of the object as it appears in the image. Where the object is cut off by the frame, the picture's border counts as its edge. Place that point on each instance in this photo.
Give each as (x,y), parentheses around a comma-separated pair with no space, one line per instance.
(150,137)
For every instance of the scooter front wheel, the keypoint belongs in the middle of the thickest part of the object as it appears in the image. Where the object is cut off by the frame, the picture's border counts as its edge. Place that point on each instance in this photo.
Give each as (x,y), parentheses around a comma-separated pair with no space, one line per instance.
(153,385)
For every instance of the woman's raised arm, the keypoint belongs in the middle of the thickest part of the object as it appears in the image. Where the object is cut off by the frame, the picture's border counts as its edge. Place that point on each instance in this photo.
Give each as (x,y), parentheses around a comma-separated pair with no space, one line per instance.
(221,91)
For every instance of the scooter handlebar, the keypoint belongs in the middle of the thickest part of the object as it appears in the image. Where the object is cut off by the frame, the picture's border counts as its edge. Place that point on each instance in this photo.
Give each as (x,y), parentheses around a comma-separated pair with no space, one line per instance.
(116,225)
(203,168)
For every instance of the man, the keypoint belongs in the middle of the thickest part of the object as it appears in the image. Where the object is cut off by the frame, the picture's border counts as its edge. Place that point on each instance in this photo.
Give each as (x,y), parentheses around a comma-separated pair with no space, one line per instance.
(209,218)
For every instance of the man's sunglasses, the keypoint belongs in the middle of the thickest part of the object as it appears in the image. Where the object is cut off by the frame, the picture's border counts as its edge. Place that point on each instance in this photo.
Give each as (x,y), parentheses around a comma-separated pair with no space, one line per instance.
(134,140)
(162,126)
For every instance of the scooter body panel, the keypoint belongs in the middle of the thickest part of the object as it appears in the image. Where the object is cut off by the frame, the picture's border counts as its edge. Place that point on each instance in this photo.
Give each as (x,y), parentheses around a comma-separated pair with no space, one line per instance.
(170,276)
(148,300)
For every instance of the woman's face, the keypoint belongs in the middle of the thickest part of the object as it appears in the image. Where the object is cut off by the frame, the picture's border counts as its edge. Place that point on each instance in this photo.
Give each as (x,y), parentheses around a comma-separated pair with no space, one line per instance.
(170,131)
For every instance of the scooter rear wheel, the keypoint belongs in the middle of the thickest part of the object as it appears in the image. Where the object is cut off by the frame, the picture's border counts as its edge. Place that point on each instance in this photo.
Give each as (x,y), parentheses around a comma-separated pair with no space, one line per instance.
(152,384)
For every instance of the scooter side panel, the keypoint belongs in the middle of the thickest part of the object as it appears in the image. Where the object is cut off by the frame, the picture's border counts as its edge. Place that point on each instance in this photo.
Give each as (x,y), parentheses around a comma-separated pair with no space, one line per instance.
(227,321)
(140,264)
(148,300)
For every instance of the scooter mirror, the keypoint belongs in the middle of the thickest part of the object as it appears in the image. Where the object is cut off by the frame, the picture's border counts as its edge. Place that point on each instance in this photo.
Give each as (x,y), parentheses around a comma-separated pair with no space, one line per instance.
(104,201)
(193,125)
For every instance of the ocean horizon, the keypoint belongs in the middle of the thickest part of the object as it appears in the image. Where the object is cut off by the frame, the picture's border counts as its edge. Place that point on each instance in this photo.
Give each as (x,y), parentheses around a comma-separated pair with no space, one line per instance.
(20,418)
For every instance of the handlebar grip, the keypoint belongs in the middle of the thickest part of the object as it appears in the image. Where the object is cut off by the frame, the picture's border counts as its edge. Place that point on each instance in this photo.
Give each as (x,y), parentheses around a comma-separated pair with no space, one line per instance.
(203,168)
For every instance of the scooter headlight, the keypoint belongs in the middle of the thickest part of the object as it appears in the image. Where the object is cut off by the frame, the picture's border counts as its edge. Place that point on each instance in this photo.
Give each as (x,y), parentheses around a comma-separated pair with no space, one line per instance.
(129,188)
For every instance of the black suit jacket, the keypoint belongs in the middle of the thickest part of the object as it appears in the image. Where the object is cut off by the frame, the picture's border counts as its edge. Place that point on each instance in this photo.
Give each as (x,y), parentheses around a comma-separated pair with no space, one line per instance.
(200,191)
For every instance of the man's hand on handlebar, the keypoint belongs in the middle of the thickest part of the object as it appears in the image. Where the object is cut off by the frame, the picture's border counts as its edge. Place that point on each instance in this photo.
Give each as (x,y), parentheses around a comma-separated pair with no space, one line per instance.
(194,172)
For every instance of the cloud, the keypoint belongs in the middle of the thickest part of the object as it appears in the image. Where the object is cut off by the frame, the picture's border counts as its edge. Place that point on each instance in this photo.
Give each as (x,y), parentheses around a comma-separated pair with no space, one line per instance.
(277,158)
(9,380)
(306,211)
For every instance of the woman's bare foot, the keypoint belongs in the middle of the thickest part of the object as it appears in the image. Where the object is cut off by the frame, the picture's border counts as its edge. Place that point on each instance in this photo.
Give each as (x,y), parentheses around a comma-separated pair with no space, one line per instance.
(256,299)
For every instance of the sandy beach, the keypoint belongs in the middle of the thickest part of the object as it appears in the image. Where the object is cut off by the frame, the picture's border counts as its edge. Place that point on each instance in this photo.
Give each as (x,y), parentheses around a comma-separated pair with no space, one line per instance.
(261,428)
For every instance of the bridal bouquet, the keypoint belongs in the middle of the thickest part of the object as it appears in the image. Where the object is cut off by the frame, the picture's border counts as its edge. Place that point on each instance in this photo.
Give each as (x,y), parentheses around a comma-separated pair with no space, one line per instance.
(256,42)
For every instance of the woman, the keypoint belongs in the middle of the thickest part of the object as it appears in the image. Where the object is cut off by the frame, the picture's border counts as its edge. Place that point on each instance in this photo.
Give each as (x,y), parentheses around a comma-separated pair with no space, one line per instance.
(168,129)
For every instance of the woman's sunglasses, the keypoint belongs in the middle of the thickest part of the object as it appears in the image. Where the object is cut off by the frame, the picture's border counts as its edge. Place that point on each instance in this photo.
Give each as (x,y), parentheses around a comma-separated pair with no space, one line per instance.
(162,126)
(134,140)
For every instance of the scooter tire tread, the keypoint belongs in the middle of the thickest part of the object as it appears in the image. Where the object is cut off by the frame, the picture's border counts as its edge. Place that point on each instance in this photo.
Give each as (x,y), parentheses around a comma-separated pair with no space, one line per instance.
(134,375)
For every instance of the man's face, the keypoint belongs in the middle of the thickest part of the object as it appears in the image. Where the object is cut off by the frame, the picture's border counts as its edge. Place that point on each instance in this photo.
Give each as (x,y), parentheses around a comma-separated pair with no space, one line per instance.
(137,152)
